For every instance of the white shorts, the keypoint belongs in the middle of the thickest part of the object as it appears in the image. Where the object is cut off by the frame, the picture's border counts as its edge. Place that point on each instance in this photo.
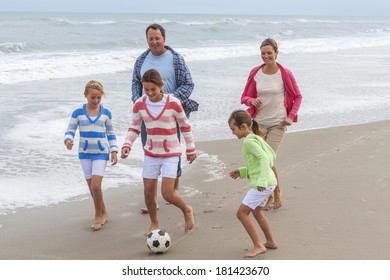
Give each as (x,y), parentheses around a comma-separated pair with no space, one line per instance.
(255,198)
(93,167)
(153,167)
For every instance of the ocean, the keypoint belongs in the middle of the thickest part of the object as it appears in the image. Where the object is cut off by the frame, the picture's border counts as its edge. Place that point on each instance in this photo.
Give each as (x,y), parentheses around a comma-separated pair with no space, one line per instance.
(341,64)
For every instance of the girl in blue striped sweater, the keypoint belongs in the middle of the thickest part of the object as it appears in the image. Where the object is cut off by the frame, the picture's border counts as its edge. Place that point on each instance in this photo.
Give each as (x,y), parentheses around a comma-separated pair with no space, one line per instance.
(97,142)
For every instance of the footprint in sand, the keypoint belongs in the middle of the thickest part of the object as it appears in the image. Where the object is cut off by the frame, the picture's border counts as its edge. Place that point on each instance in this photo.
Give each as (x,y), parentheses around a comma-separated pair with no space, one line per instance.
(216,227)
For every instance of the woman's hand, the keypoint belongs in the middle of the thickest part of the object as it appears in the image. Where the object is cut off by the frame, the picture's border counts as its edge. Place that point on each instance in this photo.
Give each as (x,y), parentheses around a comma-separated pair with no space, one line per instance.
(287,122)
(257,102)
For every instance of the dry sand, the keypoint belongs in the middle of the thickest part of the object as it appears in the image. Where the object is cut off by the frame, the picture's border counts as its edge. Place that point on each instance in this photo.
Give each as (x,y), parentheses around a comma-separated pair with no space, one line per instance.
(336,193)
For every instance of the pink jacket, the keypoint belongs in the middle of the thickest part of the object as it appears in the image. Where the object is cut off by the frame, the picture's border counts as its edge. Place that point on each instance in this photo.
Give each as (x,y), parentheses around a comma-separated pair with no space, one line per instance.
(292,94)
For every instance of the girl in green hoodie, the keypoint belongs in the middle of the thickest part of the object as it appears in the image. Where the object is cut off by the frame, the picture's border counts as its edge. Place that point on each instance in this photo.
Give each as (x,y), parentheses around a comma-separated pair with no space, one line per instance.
(259,159)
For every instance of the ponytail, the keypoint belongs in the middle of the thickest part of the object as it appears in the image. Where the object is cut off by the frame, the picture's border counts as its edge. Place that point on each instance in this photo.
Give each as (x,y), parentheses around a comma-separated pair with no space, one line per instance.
(258,130)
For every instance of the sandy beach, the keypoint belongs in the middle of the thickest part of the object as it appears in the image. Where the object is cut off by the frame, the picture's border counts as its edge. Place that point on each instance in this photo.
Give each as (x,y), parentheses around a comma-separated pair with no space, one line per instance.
(335,207)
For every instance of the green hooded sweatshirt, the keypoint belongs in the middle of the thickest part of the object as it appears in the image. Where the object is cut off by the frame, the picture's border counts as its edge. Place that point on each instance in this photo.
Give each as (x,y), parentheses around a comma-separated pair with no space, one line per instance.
(259,159)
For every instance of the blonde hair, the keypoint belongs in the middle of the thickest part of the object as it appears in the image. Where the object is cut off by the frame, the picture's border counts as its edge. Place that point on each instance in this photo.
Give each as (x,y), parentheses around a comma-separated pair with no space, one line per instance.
(94,85)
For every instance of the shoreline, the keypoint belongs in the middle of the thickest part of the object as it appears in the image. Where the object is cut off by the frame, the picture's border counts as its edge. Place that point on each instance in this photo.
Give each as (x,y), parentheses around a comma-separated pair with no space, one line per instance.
(86,196)
(335,188)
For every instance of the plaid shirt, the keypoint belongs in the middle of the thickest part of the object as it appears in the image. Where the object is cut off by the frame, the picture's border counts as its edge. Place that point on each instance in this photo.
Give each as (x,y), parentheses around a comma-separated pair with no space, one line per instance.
(184,81)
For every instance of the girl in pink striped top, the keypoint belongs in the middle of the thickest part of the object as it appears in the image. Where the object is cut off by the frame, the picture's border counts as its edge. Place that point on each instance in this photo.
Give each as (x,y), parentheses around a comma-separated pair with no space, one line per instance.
(160,112)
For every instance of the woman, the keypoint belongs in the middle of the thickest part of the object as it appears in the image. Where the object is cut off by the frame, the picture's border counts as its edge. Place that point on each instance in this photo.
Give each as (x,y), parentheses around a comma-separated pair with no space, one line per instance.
(273,98)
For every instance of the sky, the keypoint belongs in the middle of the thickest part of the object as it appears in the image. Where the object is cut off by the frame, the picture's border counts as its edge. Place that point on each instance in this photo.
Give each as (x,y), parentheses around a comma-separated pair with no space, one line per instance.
(261,7)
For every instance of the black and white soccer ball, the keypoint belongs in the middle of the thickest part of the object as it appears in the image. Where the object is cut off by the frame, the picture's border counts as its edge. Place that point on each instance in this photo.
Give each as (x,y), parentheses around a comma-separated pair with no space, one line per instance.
(158,241)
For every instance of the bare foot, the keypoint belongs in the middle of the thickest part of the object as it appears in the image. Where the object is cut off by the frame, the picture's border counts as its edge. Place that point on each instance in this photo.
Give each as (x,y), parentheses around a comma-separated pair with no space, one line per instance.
(145,210)
(189,219)
(104,218)
(255,252)
(151,228)
(97,224)
(278,198)
(268,207)
(270,203)
(277,204)
(271,245)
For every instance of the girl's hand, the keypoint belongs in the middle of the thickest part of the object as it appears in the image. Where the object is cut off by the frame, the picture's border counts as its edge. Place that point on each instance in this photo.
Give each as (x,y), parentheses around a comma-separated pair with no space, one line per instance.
(125,152)
(69,144)
(114,158)
(260,189)
(235,174)
(191,158)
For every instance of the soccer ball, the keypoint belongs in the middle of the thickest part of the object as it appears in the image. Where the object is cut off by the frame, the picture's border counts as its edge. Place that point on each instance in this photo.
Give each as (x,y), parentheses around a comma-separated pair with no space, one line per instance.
(158,241)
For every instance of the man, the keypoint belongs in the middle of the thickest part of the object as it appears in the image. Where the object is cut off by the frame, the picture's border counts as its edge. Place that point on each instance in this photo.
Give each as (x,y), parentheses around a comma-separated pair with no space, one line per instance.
(174,71)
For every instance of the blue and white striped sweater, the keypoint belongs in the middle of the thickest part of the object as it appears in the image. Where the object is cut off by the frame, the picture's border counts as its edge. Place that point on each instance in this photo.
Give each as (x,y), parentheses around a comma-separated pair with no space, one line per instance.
(97,138)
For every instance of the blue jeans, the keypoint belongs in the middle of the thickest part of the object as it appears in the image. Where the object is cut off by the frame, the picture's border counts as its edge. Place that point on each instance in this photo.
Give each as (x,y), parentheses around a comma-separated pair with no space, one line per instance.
(143,139)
